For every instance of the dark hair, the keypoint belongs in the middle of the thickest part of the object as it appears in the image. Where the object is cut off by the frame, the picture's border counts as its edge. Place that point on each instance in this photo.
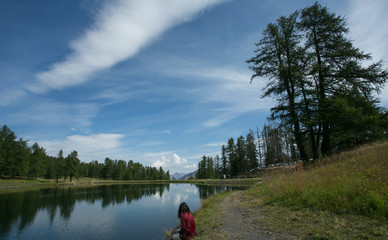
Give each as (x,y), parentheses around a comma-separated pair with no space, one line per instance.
(183,208)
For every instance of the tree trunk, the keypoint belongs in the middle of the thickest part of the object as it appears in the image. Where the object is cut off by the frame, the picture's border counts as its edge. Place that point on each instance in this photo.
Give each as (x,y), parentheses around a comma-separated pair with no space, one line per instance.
(326,143)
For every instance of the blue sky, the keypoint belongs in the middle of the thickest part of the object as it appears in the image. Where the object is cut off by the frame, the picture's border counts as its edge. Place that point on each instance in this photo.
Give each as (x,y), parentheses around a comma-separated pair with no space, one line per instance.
(161,82)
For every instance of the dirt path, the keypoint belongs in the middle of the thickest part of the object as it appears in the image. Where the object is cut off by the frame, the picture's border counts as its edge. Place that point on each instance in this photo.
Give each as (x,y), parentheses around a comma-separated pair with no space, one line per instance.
(241,223)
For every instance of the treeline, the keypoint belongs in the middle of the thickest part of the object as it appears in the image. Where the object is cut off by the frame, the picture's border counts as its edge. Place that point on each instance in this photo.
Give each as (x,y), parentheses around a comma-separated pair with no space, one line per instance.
(18,160)
(273,145)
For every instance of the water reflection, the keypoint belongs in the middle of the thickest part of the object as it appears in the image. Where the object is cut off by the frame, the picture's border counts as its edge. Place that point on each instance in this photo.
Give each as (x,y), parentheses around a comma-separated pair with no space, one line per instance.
(23,214)
(206,191)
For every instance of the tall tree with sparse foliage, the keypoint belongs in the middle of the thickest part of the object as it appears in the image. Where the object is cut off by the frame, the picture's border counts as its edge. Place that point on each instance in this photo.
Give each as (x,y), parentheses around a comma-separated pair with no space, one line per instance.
(337,69)
(279,58)
(314,72)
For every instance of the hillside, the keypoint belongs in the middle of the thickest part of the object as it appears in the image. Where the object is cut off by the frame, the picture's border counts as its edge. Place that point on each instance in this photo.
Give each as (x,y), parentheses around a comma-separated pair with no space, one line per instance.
(342,197)
(351,182)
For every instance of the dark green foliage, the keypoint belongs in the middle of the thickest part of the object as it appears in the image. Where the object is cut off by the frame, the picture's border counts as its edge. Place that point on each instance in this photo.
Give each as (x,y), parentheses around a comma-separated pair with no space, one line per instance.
(251,151)
(224,163)
(72,164)
(19,160)
(323,84)
(8,152)
(232,156)
(37,158)
(208,168)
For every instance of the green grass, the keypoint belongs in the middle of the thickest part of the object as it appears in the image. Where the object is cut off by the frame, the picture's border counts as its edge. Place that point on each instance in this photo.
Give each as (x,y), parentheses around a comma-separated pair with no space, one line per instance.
(352,182)
(208,218)
(342,197)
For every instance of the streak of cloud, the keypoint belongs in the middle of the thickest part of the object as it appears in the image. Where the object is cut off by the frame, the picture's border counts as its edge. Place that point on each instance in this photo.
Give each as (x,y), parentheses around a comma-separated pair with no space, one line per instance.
(89,148)
(120,30)
(369,31)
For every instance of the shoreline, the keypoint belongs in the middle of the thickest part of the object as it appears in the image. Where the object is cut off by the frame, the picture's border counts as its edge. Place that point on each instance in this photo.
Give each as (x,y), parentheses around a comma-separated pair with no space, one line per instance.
(15,185)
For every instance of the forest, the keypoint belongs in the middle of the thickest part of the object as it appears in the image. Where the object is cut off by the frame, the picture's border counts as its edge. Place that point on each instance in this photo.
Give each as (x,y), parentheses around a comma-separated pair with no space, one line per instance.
(325,90)
(18,160)
(272,146)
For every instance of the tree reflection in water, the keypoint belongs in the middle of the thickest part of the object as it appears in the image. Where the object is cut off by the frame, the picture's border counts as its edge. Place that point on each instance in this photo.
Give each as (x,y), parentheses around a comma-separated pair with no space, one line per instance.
(22,207)
(18,210)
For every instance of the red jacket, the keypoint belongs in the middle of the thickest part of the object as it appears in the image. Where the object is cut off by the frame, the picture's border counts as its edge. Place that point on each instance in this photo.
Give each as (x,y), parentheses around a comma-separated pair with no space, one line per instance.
(187,226)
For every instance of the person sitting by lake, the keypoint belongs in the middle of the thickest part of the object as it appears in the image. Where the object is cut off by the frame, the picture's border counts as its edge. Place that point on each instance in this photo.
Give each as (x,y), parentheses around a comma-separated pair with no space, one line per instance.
(187,230)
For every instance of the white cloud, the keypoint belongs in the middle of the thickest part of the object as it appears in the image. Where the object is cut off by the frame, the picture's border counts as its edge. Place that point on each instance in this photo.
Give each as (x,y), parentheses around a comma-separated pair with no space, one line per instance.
(367,22)
(120,30)
(93,147)
(158,164)
(167,160)
(178,159)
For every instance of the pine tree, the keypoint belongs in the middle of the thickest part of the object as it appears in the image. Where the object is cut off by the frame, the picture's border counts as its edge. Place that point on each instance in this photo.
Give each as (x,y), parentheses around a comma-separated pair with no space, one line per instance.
(7,151)
(225,167)
(315,72)
(72,164)
(251,151)
(36,161)
(232,158)
(336,66)
(279,57)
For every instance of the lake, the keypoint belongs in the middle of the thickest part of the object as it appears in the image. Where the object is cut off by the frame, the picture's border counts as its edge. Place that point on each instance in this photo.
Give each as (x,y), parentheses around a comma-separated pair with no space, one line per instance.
(132,211)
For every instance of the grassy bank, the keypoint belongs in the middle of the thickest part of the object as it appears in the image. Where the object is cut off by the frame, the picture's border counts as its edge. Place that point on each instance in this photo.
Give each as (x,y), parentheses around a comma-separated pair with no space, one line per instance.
(352,182)
(208,218)
(342,197)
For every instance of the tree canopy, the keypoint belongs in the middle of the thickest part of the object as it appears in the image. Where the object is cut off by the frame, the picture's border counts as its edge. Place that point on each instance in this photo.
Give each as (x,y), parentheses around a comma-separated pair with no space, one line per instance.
(324,86)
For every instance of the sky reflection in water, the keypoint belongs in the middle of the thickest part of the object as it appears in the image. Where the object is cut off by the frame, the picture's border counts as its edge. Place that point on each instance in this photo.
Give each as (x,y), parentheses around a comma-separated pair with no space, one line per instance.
(104,212)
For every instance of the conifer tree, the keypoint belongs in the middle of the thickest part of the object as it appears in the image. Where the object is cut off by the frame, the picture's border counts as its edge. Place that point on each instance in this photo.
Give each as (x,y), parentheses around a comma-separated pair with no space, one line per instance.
(251,151)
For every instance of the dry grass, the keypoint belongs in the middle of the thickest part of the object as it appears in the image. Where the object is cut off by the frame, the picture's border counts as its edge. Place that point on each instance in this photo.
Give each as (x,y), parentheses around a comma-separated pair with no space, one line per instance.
(342,197)
(351,182)
(311,224)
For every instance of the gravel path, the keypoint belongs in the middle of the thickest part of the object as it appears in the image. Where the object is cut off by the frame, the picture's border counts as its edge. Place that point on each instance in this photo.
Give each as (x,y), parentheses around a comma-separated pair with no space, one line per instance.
(241,223)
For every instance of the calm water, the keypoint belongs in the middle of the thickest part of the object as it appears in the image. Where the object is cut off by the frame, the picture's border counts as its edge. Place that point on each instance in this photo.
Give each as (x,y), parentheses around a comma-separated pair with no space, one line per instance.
(103,212)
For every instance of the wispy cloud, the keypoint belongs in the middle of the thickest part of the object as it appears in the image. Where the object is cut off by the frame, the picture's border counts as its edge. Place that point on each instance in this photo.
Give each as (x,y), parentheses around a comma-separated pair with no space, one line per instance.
(368,28)
(92,147)
(8,96)
(120,30)
(56,113)
(370,32)
(228,90)
(151,143)
(218,144)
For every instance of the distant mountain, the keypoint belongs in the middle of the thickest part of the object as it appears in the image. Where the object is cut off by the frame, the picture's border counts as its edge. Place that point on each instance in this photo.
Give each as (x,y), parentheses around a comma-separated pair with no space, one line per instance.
(192,175)
(183,176)
(177,175)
